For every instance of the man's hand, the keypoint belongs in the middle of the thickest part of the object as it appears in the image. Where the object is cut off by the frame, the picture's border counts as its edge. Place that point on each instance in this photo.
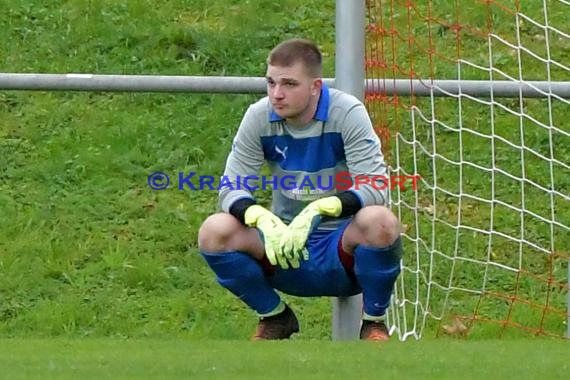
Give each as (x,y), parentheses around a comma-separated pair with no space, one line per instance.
(272,228)
(295,237)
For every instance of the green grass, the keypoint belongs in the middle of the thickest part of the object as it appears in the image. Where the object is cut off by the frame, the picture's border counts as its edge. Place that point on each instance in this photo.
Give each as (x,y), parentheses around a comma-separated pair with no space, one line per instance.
(175,359)
(88,250)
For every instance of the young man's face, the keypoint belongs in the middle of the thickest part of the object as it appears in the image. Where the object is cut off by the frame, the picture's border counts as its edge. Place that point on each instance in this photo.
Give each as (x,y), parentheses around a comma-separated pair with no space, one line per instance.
(293,92)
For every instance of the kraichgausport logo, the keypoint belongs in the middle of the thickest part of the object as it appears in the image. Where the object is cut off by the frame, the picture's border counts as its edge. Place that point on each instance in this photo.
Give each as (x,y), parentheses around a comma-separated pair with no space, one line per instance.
(341,181)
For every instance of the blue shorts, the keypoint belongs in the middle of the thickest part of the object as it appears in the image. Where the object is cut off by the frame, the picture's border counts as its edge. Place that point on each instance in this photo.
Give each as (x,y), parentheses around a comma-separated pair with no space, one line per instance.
(323,274)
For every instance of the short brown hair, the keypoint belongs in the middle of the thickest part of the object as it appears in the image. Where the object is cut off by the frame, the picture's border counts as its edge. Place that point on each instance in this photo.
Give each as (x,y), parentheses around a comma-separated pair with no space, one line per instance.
(289,52)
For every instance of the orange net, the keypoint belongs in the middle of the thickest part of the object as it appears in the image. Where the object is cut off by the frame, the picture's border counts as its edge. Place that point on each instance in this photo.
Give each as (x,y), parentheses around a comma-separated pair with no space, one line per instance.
(401,44)
(488,232)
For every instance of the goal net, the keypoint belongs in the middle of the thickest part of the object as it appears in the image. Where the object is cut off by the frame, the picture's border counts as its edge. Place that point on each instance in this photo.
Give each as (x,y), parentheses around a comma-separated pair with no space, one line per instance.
(487,232)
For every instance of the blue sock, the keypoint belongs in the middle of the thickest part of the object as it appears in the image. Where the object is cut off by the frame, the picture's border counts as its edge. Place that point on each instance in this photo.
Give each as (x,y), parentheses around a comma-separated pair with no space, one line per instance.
(376,270)
(242,275)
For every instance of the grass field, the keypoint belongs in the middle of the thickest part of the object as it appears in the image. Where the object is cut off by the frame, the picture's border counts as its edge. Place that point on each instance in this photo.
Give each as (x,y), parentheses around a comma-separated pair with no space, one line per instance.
(100,275)
(180,358)
(87,248)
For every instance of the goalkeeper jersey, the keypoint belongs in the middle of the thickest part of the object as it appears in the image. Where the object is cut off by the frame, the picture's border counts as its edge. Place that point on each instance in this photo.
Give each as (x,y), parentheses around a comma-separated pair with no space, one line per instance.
(304,164)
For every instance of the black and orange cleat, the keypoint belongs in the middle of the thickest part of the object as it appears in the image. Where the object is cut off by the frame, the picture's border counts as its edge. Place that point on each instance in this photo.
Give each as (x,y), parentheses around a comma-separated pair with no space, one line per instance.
(280,326)
(374,331)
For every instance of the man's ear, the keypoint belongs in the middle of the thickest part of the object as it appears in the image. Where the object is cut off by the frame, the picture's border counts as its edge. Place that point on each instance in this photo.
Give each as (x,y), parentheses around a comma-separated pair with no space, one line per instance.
(316,87)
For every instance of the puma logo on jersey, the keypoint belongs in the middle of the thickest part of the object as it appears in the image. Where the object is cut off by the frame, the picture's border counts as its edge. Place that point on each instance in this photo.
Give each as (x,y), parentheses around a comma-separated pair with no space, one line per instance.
(283,152)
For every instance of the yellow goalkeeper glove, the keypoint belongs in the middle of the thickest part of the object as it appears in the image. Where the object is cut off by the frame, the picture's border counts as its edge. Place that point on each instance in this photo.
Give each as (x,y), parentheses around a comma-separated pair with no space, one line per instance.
(272,228)
(295,237)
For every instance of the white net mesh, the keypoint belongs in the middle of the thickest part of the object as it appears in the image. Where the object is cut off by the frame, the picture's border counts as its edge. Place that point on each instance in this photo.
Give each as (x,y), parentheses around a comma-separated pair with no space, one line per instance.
(487,234)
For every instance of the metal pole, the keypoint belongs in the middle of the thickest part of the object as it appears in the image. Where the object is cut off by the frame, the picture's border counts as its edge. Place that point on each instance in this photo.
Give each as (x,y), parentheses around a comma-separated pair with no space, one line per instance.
(349,77)
(131,83)
(243,85)
(474,88)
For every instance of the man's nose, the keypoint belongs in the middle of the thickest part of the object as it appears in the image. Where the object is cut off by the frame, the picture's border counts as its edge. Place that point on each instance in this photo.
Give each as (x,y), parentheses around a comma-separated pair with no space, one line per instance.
(278,91)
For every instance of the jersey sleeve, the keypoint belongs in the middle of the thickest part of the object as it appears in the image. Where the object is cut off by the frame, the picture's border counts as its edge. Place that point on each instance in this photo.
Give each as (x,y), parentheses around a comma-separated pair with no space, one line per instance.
(364,157)
(245,159)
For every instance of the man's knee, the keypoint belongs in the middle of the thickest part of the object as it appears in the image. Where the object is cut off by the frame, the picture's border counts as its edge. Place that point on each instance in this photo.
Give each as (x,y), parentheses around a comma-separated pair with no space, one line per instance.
(377,225)
(216,232)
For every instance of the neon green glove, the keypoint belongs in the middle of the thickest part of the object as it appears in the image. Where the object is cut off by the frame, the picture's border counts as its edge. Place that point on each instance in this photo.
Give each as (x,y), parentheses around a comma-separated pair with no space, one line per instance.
(272,228)
(294,239)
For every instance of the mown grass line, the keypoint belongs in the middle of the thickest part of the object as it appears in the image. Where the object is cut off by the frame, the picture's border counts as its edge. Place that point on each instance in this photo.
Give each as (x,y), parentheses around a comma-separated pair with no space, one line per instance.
(166,359)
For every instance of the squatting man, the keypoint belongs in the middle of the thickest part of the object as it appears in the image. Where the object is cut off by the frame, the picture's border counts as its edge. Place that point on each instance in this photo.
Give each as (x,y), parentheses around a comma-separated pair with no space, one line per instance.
(343,243)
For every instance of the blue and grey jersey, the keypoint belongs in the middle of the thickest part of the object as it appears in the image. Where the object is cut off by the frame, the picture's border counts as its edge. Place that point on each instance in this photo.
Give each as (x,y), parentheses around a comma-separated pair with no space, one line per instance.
(339,139)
